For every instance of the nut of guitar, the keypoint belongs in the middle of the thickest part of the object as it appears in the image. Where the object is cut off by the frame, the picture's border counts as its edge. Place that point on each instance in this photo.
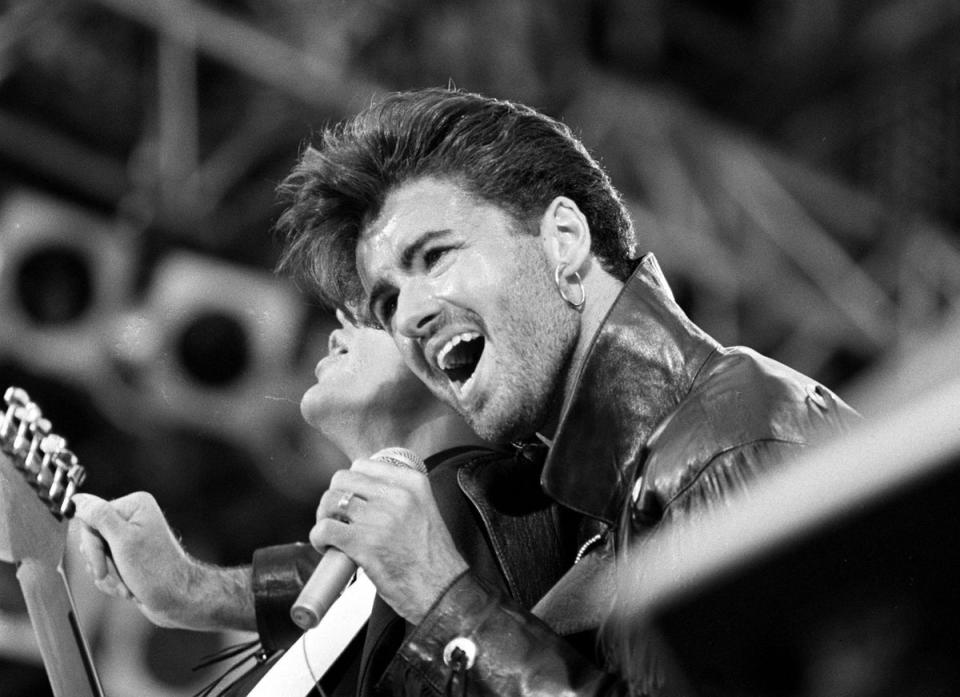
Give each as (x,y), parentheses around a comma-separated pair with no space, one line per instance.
(41,456)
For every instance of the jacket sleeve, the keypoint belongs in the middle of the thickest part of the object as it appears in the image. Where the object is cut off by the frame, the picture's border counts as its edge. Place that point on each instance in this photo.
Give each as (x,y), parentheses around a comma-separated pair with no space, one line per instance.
(477,641)
(509,651)
(279,572)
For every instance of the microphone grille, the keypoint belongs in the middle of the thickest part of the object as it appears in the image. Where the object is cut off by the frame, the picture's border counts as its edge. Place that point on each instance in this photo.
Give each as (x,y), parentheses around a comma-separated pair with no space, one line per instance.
(401,457)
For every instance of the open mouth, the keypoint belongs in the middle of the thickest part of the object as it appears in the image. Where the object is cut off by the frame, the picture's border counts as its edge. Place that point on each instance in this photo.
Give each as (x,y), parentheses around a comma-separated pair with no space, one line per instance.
(459,357)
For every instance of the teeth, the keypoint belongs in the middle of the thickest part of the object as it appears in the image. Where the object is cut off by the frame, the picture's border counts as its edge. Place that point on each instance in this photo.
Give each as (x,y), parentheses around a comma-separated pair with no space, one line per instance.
(442,354)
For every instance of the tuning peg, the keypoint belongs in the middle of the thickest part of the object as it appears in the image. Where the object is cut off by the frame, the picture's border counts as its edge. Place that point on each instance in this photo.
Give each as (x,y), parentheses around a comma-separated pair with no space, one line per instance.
(51,445)
(75,478)
(31,461)
(64,461)
(14,397)
(28,415)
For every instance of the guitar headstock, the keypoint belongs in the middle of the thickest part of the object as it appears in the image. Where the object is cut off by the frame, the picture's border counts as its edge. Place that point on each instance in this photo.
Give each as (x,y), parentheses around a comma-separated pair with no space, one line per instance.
(38,477)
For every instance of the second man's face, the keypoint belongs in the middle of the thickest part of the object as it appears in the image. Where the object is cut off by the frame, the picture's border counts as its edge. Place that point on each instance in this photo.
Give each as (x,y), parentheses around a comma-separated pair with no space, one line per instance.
(486,329)
(361,381)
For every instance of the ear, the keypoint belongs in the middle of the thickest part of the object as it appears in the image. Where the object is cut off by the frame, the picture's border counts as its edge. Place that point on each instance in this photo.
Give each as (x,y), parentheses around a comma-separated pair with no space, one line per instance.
(565,235)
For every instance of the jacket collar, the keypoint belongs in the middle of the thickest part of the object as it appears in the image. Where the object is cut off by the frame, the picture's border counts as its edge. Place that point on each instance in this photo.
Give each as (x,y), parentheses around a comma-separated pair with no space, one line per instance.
(641,363)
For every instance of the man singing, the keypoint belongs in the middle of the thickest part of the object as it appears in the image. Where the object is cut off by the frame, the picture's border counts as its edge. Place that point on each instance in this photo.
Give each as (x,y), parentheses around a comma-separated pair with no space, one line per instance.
(364,399)
(483,237)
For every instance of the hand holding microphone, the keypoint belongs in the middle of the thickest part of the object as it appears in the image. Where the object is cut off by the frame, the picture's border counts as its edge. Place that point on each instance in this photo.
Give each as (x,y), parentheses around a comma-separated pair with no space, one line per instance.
(336,568)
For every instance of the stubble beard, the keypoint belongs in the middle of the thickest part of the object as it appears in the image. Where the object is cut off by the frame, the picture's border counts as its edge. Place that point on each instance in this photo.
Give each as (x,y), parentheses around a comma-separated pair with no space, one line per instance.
(540,346)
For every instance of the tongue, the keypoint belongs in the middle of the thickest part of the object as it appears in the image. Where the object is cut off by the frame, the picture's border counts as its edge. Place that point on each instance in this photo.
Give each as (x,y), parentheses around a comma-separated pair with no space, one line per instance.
(460,374)
(463,360)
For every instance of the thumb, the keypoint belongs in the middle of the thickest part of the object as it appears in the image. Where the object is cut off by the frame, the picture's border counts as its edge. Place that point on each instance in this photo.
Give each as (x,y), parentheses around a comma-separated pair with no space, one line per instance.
(98,514)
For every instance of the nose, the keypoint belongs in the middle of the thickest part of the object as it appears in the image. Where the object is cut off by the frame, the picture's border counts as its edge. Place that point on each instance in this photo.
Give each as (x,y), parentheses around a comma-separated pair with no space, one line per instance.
(336,342)
(417,309)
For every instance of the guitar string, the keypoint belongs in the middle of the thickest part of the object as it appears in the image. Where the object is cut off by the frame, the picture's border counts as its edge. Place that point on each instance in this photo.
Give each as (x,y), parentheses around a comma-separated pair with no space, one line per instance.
(306,659)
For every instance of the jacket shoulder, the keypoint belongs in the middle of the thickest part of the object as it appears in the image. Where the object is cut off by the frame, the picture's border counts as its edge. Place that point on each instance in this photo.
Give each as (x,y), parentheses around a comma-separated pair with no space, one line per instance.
(745,412)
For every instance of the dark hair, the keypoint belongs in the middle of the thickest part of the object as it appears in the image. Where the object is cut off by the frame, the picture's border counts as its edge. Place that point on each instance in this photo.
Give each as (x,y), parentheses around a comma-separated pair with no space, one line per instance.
(502,152)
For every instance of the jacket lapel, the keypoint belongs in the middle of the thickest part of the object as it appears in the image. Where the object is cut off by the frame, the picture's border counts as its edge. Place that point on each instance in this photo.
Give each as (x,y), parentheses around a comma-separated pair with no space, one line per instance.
(521,523)
(580,601)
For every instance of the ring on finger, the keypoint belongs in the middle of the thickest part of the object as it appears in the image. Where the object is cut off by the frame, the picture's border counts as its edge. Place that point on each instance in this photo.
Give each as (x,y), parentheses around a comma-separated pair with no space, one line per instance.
(344,501)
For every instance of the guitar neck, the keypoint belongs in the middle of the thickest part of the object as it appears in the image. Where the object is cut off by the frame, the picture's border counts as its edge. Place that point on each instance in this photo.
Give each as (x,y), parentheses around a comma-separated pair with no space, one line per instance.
(62,646)
(38,477)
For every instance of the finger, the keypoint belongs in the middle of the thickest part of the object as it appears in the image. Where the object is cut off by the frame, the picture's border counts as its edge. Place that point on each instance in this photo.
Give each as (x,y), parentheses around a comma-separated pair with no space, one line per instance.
(109,586)
(85,506)
(136,502)
(98,514)
(340,504)
(114,575)
(94,551)
(373,486)
(389,479)
(330,532)
(388,471)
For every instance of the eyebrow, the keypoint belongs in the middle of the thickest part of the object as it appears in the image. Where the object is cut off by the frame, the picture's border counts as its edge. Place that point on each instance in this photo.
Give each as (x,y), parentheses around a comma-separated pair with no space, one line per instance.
(411,251)
(407,256)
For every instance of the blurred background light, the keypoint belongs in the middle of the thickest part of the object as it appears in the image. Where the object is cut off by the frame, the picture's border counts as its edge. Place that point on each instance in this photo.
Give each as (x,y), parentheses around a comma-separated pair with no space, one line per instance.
(65,274)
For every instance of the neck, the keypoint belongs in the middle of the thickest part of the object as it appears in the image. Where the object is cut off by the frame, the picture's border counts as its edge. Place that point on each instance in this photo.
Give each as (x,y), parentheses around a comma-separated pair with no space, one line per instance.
(439,433)
(425,435)
(602,290)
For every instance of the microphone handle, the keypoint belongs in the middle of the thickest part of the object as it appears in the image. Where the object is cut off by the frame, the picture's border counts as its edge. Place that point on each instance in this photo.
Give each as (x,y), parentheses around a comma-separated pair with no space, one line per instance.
(322,589)
(335,569)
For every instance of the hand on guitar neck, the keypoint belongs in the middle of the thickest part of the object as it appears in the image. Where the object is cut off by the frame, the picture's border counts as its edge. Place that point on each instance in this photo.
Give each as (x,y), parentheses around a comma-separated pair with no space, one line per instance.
(128,545)
(132,552)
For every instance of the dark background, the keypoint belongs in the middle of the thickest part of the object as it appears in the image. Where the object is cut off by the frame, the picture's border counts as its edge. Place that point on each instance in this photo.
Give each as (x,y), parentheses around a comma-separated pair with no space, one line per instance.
(793,164)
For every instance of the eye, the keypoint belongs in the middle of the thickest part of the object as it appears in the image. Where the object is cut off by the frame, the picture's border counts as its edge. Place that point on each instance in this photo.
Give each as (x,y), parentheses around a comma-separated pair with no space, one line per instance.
(433,255)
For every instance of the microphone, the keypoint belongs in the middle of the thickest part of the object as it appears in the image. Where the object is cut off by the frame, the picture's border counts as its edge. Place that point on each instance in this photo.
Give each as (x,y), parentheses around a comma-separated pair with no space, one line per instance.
(335,568)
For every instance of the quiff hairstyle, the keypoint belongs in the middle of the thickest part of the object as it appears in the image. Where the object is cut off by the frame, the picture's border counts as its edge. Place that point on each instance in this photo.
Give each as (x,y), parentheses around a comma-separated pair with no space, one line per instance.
(501,152)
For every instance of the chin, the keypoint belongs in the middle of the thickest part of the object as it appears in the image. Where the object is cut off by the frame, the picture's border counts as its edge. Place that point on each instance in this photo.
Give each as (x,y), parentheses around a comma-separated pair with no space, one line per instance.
(306,409)
(313,411)
(313,420)
(503,428)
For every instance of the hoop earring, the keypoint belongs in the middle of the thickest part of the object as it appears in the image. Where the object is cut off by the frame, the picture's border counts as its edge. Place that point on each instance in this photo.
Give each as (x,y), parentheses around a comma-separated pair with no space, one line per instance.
(578,306)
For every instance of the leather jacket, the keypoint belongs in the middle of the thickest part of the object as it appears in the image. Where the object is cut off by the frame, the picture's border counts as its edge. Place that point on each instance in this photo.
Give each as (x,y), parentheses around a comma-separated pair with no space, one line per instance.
(664,423)
(508,531)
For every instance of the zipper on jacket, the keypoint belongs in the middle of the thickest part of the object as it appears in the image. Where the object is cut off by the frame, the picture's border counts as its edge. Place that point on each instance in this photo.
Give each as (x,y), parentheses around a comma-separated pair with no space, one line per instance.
(585,547)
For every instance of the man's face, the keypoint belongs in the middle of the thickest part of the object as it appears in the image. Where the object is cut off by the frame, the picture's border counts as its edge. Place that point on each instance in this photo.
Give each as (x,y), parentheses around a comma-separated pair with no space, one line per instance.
(486,329)
(361,382)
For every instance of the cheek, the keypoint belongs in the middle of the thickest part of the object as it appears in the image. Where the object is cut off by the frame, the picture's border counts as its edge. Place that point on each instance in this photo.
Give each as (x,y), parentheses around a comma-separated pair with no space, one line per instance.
(527,296)
(476,276)
(411,357)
